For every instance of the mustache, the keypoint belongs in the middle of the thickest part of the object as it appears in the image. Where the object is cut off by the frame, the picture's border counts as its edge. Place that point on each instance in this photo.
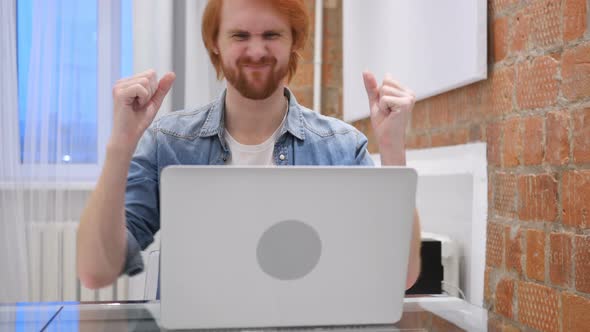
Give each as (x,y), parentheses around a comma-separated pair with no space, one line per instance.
(249,61)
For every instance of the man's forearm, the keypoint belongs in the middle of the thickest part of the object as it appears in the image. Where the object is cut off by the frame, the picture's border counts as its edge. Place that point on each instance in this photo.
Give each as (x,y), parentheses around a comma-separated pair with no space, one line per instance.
(395,155)
(102,239)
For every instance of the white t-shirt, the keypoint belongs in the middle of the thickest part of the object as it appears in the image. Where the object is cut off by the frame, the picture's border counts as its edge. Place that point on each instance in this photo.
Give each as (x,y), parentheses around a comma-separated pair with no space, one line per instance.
(253,155)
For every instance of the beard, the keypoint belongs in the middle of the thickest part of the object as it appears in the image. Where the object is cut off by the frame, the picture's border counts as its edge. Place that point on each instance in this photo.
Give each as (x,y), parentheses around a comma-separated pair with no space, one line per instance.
(256,85)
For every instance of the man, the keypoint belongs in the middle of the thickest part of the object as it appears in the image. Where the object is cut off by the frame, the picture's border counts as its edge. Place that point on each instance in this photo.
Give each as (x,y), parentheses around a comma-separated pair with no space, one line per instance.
(256,121)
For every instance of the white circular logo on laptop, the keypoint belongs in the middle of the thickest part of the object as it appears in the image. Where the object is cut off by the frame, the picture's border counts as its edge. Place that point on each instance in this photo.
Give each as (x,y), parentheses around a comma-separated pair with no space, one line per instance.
(289,250)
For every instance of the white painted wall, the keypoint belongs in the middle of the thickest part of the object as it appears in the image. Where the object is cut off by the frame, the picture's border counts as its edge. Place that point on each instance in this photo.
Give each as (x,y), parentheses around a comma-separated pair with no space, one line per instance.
(452,199)
(154,47)
(444,203)
(429,46)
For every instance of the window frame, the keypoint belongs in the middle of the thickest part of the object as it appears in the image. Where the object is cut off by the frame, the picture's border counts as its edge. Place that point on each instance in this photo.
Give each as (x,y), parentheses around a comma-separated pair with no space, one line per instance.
(108,72)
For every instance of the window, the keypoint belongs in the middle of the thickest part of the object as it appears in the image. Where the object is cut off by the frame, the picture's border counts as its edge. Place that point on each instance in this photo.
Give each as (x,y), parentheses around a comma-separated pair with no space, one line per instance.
(69,53)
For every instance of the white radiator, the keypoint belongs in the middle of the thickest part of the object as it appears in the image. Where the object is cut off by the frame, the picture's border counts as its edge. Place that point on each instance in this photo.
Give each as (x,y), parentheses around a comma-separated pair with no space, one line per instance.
(52,267)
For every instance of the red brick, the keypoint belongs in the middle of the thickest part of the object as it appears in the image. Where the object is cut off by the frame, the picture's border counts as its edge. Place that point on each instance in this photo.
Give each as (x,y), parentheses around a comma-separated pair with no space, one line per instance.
(361,125)
(332,48)
(538,306)
(504,187)
(460,136)
(495,244)
(422,141)
(417,142)
(576,72)
(560,259)
(304,96)
(331,75)
(373,148)
(521,27)
(304,76)
(465,103)
(510,328)
(420,116)
(512,146)
(331,102)
(576,199)
(575,313)
(410,142)
(487,288)
(475,133)
(581,137)
(538,25)
(490,194)
(574,19)
(504,298)
(333,19)
(494,324)
(545,30)
(307,52)
(558,144)
(533,141)
(497,91)
(535,254)
(440,116)
(500,5)
(513,254)
(537,197)
(537,84)
(441,139)
(493,133)
(582,263)
(500,38)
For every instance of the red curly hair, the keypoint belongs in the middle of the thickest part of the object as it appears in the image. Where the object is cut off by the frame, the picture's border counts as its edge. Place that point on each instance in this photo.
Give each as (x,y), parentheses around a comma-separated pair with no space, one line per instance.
(294,10)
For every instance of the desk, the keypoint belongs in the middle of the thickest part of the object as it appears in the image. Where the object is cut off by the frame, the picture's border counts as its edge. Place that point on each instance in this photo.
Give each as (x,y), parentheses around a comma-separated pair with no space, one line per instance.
(420,314)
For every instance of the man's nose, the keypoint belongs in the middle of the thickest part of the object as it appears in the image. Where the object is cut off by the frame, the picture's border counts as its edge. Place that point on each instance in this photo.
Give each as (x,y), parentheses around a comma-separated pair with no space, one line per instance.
(257,48)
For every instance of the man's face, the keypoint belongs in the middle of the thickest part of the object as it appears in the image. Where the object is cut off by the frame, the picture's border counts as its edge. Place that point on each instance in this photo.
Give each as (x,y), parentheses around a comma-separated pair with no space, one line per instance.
(255,46)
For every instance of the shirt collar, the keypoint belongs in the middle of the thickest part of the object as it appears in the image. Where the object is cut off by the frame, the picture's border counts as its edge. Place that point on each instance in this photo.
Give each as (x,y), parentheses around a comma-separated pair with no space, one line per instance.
(214,124)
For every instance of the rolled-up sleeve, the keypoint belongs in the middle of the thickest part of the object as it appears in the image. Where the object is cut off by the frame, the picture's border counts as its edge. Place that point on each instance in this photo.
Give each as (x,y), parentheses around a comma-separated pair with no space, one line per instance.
(362,156)
(133,259)
(141,202)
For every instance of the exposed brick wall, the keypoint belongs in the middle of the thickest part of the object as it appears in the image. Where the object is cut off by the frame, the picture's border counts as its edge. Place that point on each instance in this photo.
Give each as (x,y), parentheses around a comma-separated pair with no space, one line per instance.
(534,113)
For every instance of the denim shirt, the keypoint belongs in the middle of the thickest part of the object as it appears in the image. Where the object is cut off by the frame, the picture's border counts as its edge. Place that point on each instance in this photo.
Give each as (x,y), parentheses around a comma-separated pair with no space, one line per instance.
(196,137)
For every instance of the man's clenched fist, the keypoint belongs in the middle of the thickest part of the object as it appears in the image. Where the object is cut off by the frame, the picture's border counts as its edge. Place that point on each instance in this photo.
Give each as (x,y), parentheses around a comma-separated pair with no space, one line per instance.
(136,100)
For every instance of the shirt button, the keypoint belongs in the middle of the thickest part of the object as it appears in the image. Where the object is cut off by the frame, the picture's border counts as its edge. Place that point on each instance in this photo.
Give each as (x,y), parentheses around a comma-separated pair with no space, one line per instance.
(282,157)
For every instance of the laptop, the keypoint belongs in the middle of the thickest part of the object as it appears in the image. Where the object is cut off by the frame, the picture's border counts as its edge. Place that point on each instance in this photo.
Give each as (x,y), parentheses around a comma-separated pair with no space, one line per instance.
(262,247)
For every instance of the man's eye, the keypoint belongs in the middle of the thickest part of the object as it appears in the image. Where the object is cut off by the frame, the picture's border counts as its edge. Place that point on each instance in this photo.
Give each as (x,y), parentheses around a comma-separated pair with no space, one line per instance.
(271,35)
(240,36)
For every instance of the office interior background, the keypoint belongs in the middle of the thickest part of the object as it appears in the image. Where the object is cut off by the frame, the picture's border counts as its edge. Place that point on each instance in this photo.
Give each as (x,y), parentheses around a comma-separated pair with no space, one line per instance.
(504,160)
